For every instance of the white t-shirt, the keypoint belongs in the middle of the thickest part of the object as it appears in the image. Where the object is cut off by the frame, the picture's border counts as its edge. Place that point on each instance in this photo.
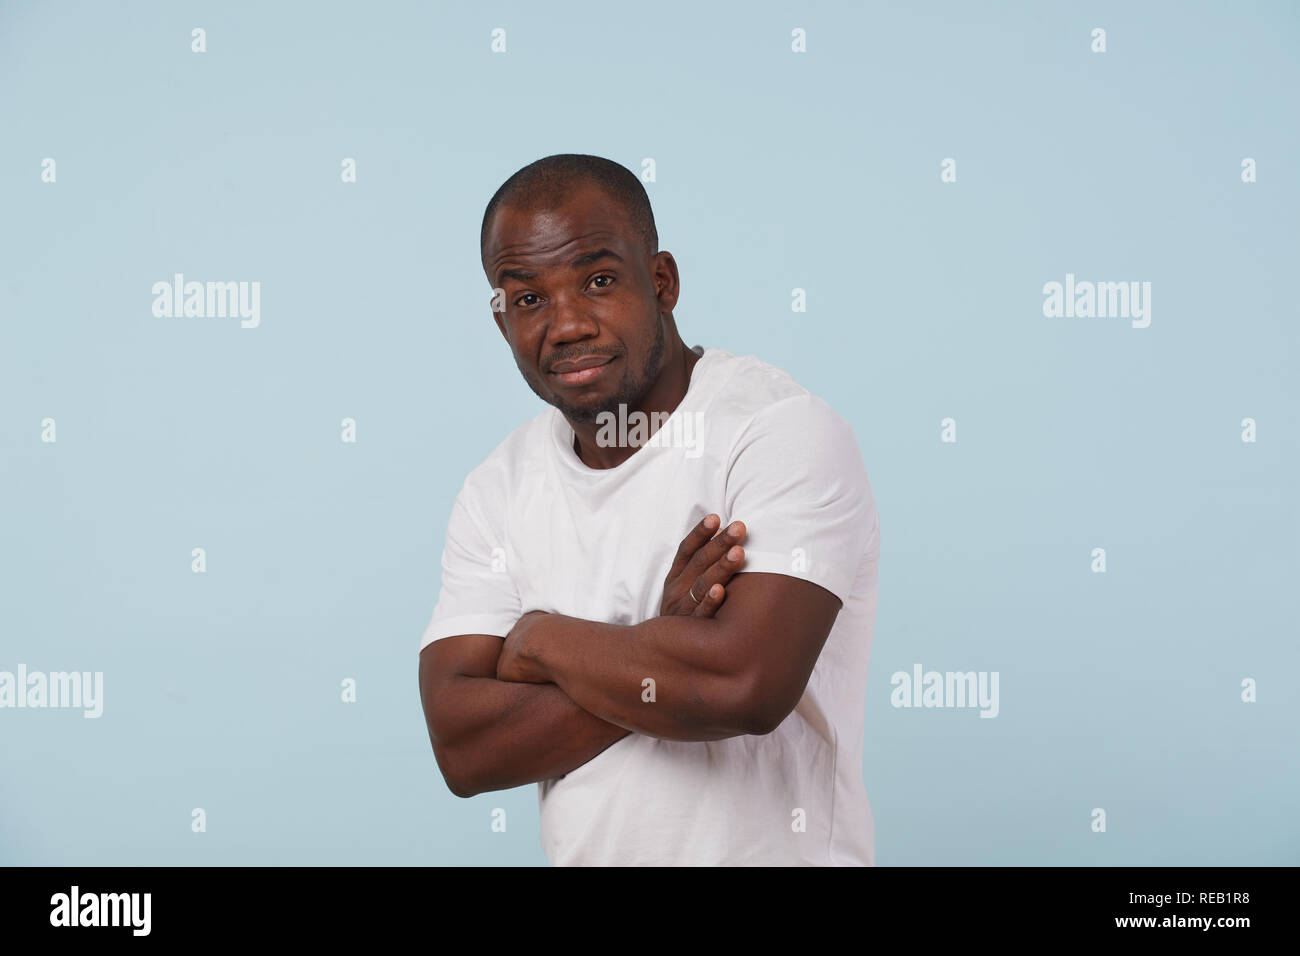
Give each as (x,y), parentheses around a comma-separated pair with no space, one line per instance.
(534,528)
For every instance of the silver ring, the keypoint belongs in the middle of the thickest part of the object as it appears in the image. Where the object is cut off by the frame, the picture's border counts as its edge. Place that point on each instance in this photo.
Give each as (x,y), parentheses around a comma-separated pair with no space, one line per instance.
(691,591)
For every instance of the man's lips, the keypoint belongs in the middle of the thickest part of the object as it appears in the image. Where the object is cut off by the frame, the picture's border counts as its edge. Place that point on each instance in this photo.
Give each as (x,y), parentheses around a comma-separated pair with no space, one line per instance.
(583,370)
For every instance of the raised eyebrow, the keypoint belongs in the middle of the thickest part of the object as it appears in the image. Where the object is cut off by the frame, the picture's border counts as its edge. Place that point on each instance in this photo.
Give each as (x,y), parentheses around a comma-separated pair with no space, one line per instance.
(586,259)
(523,275)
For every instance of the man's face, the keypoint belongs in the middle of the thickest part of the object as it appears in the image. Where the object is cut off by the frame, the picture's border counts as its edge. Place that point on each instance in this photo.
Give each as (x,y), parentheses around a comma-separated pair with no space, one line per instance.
(582,309)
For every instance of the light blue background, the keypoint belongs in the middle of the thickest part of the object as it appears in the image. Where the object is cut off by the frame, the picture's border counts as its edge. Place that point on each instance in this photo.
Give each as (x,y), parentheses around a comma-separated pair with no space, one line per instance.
(775,171)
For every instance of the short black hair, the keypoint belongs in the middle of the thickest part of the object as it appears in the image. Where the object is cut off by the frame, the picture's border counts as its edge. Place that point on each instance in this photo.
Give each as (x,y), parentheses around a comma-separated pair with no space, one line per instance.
(550,179)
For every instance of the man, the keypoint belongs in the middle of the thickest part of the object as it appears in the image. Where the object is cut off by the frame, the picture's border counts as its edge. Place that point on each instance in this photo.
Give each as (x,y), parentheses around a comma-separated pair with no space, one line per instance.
(681,698)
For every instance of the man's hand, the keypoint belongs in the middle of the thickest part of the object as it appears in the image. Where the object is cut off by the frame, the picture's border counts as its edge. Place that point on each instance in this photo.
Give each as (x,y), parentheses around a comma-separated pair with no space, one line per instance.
(696,583)
(513,663)
(705,562)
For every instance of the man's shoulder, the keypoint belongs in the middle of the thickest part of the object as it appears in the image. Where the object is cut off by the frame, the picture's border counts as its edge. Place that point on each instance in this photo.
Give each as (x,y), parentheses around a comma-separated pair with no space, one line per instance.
(518,453)
(756,392)
(749,382)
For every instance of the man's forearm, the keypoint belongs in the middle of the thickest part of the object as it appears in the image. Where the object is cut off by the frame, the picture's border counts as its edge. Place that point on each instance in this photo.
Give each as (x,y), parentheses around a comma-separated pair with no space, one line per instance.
(493,735)
(664,677)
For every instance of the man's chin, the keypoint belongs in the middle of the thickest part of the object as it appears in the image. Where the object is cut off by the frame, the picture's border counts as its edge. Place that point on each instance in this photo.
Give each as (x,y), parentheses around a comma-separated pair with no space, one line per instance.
(587,412)
(582,414)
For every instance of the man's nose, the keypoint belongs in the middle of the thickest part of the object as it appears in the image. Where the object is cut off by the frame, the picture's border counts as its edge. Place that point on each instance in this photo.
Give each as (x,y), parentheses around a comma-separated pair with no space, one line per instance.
(571,321)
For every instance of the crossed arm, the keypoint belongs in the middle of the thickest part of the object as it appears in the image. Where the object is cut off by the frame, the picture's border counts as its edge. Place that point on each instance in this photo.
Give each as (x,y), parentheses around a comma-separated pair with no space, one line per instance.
(560,690)
(740,672)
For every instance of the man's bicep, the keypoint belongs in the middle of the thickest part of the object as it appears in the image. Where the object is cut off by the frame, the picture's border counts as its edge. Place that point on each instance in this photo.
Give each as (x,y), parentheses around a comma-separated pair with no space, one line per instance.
(776,625)
(797,480)
(462,655)
(449,660)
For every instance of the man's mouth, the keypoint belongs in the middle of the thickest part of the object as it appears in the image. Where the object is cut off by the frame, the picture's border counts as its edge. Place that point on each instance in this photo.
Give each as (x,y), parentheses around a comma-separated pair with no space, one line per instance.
(583,370)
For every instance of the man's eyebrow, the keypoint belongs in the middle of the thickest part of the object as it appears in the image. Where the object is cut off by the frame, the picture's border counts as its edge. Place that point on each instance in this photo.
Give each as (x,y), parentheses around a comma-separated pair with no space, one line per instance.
(586,259)
(590,257)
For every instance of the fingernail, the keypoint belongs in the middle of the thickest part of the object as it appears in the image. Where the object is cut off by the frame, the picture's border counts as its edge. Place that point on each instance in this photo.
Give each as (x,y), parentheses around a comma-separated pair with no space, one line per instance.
(711,521)
(734,530)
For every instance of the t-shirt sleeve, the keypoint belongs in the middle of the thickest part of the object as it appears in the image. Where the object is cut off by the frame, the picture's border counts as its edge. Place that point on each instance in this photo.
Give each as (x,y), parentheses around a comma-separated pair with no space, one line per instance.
(478,595)
(796,479)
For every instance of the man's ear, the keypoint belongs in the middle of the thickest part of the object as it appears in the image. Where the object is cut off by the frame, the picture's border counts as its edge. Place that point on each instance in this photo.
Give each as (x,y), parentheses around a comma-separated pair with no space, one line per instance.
(666,280)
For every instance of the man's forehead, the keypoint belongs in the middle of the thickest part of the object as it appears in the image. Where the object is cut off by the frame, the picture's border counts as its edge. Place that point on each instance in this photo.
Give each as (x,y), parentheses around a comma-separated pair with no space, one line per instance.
(546,240)
(579,209)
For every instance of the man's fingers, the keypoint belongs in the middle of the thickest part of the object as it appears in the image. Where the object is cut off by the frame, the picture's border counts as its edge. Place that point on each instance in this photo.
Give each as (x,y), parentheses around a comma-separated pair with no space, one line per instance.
(721,572)
(712,601)
(696,539)
(707,556)
(711,553)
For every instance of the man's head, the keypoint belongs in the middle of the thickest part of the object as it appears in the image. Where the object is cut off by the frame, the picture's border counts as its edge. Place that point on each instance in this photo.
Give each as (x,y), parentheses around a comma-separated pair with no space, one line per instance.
(588,298)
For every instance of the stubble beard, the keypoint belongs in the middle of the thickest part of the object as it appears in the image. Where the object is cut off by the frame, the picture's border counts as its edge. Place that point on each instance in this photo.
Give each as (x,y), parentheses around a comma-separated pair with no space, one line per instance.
(630,392)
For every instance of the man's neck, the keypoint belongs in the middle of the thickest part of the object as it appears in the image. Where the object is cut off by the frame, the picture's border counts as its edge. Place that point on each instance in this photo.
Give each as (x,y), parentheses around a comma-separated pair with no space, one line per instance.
(662,399)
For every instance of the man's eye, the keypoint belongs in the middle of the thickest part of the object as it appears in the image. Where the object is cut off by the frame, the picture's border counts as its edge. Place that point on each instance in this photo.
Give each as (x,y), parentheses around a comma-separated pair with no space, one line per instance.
(526,295)
(603,275)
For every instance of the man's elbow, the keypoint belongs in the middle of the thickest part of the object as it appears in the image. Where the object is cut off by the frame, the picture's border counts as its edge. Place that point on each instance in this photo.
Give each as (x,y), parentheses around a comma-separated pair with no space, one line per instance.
(765,719)
(453,762)
(763,704)
(454,774)
(464,792)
